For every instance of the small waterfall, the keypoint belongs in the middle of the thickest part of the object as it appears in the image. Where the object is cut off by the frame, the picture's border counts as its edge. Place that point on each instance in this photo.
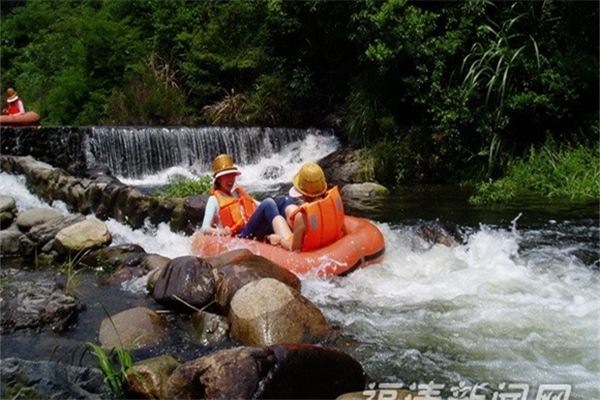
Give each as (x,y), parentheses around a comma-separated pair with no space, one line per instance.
(137,151)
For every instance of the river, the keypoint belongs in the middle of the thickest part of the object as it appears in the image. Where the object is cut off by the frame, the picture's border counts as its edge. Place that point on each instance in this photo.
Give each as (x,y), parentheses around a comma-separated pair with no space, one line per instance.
(518,301)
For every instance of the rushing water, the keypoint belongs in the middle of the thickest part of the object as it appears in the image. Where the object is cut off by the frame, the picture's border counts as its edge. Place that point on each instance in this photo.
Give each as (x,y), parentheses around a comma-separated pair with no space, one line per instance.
(518,301)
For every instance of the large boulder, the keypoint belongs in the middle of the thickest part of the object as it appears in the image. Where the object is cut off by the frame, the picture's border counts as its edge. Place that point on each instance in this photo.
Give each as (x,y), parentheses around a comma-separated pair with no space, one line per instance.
(282,371)
(24,379)
(83,235)
(344,166)
(243,269)
(115,257)
(364,190)
(8,210)
(226,374)
(228,257)
(9,243)
(311,372)
(133,329)
(148,378)
(194,207)
(152,262)
(36,216)
(185,280)
(268,311)
(28,302)
(44,233)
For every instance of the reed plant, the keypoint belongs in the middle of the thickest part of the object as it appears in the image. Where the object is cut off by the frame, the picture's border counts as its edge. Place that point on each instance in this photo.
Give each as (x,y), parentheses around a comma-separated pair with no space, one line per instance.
(552,171)
(114,366)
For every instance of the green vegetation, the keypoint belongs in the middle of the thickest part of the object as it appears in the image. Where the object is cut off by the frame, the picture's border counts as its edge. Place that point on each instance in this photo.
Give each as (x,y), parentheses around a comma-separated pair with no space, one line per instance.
(114,378)
(435,91)
(184,187)
(549,171)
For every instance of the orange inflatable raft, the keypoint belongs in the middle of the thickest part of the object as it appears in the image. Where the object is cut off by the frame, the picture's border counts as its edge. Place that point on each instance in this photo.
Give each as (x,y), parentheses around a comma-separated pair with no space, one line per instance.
(28,118)
(362,245)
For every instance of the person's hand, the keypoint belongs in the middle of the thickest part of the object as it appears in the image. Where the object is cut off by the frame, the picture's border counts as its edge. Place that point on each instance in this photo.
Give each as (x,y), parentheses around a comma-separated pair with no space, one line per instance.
(226,231)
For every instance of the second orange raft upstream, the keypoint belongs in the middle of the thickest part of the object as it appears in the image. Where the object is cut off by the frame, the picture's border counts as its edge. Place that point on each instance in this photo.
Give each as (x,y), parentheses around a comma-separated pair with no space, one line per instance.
(362,245)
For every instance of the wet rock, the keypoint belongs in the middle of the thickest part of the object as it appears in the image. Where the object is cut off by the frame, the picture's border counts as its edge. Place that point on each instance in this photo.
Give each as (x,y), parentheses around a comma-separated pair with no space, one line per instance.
(43,233)
(83,235)
(36,216)
(364,190)
(267,311)
(150,262)
(135,328)
(194,207)
(310,372)
(8,211)
(226,374)
(187,278)
(152,279)
(272,172)
(115,257)
(228,257)
(207,328)
(436,232)
(148,378)
(34,303)
(245,268)
(9,243)
(7,203)
(343,167)
(23,379)
(282,371)
(125,274)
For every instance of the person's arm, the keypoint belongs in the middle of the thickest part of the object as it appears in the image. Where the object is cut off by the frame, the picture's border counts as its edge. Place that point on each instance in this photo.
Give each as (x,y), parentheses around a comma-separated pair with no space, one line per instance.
(21,107)
(294,242)
(212,207)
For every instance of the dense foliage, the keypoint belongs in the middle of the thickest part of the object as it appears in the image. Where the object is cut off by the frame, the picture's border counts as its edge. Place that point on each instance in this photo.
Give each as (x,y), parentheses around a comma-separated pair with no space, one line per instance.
(435,91)
(551,171)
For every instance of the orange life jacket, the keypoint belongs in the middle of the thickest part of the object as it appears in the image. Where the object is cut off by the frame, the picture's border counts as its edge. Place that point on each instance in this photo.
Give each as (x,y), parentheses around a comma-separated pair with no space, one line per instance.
(234,212)
(323,219)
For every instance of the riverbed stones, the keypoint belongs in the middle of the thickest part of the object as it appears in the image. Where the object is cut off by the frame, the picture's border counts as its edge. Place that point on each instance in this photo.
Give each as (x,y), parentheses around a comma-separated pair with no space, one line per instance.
(310,372)
(36,216)
(226,374)
(35,302)
(24,379)
(281,371)
(151,262)
(44,233)
(268,311)
(9,243)
(135,328)
(207,328)
(148,378)
(8,211)
(185,280)
(115,257)
(83,235)
(240,269)
(344,166)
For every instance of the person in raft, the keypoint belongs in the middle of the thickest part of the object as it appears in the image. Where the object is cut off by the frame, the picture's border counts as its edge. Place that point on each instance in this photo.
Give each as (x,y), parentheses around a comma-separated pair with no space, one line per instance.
(14,105)
(231,211)
(319,221)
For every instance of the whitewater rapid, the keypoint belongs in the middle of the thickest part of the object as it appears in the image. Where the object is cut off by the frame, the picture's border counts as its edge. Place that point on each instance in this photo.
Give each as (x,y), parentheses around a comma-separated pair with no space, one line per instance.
(509,304)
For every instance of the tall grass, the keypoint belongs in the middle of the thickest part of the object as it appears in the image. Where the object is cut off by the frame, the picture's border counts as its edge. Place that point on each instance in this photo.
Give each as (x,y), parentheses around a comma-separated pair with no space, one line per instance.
(550,171)
(114,378)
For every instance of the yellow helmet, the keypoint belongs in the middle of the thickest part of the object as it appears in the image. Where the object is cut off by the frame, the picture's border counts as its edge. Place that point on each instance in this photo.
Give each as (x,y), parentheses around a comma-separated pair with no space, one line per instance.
(223,165)
(309,181)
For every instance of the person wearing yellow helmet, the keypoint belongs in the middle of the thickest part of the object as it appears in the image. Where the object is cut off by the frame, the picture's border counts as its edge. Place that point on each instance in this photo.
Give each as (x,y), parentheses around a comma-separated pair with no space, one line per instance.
(231,211)
(319,221)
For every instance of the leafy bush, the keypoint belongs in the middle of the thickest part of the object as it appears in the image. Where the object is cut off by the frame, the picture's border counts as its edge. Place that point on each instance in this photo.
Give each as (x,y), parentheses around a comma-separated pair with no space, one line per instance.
(188,187)
(550,171)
